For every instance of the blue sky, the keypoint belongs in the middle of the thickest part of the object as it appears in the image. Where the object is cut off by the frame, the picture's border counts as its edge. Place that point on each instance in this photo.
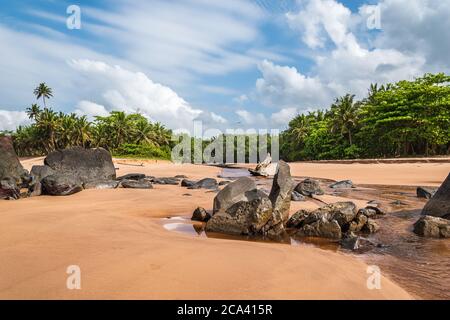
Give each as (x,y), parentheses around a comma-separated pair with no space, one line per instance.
(253,63)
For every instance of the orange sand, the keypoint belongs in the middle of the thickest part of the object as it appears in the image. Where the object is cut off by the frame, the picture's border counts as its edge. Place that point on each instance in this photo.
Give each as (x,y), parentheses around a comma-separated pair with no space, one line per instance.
(117,239)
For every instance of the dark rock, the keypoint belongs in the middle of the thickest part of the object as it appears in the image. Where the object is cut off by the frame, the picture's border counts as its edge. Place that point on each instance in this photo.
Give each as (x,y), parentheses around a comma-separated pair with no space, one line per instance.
(439,205)
(86,165)
(243,189)
(187,195)
(309,187)
(207,183)
(342,184)
(297,197)
(427,193)
(369,213)
(61,185)
(180,176)
(101,185)
(166,181)
(398,203)
(359,222)
(351,242)
(201,215)
(224,183)
(132,176)
(9,189)
(321,228)
(281,192)
(379,211)
(432,227)
(297,219)
(187,183)
(35,189)
(10,166)
(133,184)
(342,212)
(243,218)
(371,227)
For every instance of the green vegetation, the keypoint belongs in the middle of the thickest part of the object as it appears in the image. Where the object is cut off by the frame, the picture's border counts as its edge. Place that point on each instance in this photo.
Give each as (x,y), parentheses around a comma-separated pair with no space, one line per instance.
(409,118)
(123,134)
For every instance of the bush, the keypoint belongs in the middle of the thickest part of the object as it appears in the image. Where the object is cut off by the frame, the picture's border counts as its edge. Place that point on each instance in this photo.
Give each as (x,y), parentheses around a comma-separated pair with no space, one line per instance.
(142,150)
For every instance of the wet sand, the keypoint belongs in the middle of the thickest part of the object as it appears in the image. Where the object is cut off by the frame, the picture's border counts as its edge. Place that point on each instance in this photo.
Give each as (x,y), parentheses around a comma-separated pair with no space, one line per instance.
(117,239)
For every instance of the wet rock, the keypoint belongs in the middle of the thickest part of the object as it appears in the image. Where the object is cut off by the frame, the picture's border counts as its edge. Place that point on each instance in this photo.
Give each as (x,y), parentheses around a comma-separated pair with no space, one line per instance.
(439,205)
(369,213)
(297,197)
(322,228)
(86,165)
(426,193)
(346,184)
(297,219)
(132,176)
(101,185)
(398,203)
(342,212)
(9,189)
(281,192)
(371,227)
(187,183)
(61,185)
(243,218)
(166,181)
(133,184)
(200,214)
(207,183)
(432,227)
(358,223)
(351,242)
(309,187)
(243,189)
(378,210)
(10,166)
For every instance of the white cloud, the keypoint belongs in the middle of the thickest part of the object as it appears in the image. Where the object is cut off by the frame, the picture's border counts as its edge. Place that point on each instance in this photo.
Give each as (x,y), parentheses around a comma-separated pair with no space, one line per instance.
(90,109)
(10,120)
(286,87)
(283,116)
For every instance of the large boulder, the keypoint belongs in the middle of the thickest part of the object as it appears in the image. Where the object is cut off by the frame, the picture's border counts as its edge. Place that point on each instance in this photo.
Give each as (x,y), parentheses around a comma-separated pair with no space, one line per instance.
(200,214)
(10,166)
(439,204)
(281,192)
(432,227)
(261,168)
(242,189)
(61,185)
(87,165)
(243,218)
(309,187)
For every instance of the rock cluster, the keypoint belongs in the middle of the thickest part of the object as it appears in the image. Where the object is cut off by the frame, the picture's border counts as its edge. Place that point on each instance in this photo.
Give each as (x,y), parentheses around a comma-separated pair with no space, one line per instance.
(432,227)
(333,221)
(241,209)
(309,188)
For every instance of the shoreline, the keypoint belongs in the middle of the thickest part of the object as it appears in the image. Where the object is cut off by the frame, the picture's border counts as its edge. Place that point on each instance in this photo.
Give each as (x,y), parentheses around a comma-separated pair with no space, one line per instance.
(124,252)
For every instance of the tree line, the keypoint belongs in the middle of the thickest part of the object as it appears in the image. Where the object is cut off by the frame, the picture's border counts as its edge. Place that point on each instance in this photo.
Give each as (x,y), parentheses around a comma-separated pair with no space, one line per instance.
(123,134)
(407,118)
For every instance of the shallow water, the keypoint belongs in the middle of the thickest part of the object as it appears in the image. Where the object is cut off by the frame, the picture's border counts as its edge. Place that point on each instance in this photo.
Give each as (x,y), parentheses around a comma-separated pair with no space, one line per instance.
(420,265)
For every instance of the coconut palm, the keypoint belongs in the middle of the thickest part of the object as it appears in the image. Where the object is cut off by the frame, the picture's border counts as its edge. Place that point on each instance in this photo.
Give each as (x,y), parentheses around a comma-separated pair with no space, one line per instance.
(345,115)
(44,92)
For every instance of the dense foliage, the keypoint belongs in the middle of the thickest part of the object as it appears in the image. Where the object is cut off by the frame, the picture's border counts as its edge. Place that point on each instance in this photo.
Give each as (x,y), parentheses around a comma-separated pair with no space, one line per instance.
(123,134)
(409,118)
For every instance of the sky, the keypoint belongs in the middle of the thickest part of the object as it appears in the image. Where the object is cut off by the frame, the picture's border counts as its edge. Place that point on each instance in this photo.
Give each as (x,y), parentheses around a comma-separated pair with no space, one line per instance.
(230,64)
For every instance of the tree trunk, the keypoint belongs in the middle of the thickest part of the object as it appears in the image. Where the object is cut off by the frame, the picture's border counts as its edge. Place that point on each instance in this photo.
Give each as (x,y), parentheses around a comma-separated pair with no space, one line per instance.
(350,138)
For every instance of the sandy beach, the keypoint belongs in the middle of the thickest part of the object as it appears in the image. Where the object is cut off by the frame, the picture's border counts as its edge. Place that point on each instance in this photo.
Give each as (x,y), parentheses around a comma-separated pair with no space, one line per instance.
(118,240)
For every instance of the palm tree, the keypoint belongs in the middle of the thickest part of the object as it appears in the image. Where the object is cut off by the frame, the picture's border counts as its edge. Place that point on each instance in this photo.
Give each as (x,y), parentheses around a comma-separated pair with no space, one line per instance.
(345,116)
(43,91)
(49,123)
(34,111)
(300,126)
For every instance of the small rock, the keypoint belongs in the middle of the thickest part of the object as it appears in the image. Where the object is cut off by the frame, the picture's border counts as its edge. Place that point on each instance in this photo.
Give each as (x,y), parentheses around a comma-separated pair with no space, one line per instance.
(133,184)
(187,183)
(61,185)
(9,190)
(432,227)
(309,187)
(180,176)
(200,214)
(166,181)
(379,211)
(371,227)
(224,183)
(297,219)
(207,183)
(322,229)
(359,222)
(346,184)
(101,185)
